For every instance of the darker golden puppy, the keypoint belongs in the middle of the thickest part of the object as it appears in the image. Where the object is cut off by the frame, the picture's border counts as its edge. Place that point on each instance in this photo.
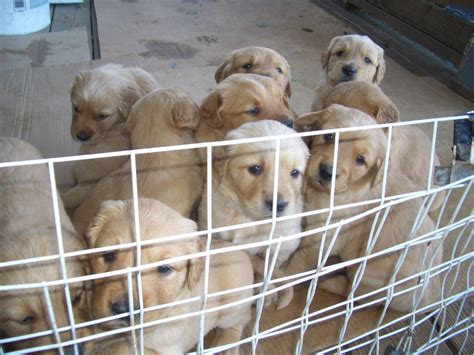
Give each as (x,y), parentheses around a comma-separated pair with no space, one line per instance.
(27,230)
(359,177)
(172,280)
(257,60)
(349,58)
(101,101)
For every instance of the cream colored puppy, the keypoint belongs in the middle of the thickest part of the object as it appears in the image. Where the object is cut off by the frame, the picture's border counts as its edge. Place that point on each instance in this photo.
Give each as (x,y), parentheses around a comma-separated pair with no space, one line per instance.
(359,176)
(411,147)
(171,281)
(27,230)
(242,189)
(257,60)
(161,118)
(101,102)
(349,58)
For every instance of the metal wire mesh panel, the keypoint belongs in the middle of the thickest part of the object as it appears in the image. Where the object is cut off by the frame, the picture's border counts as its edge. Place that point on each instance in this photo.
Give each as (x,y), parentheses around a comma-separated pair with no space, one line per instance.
(410,293)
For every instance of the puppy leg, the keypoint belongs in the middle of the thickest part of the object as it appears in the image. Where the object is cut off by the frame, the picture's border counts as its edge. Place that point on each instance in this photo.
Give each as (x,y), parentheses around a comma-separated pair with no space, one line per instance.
(228,336)
(74,197)
(284,296)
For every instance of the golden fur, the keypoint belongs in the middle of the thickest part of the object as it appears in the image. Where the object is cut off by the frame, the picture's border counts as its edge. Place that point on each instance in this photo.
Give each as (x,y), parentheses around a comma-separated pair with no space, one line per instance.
(27,230)
(349,58)
(356,182)
(241,196)
(257,60)
(161,118)
(239,99)
(174,281)
(101,102)
(411,147)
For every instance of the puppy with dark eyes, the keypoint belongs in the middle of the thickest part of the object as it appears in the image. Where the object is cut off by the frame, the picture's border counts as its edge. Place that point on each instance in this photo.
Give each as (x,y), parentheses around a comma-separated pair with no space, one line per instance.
(101,101)
(28,230)
(359,175)
(161,118)
(257,60)
(242,191)
(349,58)
(411,147)
(169,282)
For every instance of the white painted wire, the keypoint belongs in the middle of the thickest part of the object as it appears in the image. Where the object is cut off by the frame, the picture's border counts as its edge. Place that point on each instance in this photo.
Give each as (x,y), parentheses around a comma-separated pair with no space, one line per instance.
(52,318)
(307,319)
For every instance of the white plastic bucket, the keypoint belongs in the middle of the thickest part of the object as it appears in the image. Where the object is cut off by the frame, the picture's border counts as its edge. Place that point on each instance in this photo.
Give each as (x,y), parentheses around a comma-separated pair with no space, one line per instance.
(23,16)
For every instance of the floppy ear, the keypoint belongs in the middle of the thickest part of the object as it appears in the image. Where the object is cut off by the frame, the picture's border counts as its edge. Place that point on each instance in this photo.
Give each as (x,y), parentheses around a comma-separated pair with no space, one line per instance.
(219,162)
(108,210)
(129,95)
(319,117)
(185,114)
(380,72)
(79,80)
(286,101)
(378,172)
(195,265)
(288,85)
(325,59)
(219,75)
(387,113)
(209,110)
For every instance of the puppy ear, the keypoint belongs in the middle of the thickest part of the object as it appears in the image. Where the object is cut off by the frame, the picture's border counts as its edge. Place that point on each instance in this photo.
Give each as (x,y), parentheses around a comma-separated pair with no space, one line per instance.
(319,117)
(286,101)
(195,265)
(325,59)
(79,80)
(209,110)
(108,210)
(288,89)
(219,74)
(185,114)
(387,113)
(378,173)
(380,72)
(129,96)
(219,162)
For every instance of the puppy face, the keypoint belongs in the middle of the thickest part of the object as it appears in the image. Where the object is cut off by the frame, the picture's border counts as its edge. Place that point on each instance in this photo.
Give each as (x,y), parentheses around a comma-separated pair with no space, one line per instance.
(353,58)
(361,153)
(25,312)
(243,98)
(365,97)
(170,109)
(248,170)
(100,99)
(163,284)
(257,60)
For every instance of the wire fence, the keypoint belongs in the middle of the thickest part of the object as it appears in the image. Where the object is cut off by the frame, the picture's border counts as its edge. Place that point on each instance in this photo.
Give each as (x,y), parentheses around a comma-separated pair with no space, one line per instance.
(447,319)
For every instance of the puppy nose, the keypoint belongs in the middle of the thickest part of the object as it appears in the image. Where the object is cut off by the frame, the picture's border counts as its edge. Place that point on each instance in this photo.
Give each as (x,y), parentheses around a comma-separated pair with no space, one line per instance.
(325,171)
(82,136)
(119,307)
(349,70)
(281,205)
(288,122)
(70,350)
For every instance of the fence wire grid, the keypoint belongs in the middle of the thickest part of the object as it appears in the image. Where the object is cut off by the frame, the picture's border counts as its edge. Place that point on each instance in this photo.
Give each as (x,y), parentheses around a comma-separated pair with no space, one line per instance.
(443,324)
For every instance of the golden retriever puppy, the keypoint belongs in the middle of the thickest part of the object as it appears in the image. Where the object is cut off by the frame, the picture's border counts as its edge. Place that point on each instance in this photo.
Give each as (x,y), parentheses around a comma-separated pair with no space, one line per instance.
(411,147)
(169,282)
(257,60)
(242,190)
(101,102)
(27,230)
(359,175)
(349,58)
(239,99)
(161,118)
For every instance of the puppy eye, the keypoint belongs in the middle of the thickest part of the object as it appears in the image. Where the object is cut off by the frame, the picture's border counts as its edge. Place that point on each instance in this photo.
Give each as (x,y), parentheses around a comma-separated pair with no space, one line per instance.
(164,269)
(329,137)
(247,66)
(255,170)
(340,53)
(360,160)
(77,299)
(279,70)
(109,257)
(294,173)
(27,320)
(101,117)
(255,111)
(367,60)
